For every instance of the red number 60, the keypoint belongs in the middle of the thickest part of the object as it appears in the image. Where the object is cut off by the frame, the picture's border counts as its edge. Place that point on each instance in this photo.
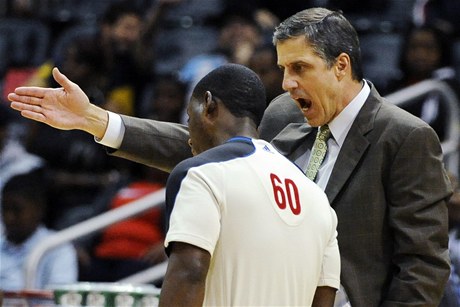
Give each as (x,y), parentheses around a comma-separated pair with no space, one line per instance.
(285,192)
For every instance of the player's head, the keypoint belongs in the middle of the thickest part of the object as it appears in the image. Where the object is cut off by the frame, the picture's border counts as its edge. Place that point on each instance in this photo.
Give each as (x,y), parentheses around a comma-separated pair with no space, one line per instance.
(23,205)
(234,90)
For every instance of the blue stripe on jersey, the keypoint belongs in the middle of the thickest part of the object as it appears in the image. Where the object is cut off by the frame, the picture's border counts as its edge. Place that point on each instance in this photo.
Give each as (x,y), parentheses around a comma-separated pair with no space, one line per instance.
(236,147)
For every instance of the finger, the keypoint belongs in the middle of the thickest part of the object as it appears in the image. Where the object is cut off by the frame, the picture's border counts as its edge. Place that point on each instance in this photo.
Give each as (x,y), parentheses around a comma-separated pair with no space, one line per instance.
(25,99)
(62,80)
(33,91)
(19,106)
(39,117)
(29,111)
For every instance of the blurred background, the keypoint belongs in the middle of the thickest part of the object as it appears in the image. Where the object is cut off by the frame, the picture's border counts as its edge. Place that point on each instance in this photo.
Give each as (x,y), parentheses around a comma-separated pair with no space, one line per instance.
(142,58)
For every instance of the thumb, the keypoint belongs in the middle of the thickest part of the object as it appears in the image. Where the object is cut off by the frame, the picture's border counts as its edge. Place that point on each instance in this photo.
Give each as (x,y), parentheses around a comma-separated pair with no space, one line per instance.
(62,80)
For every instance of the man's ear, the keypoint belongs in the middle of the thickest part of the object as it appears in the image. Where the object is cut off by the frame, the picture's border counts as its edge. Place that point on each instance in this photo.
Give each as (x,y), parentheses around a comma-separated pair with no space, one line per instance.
(210,105)
(342,64)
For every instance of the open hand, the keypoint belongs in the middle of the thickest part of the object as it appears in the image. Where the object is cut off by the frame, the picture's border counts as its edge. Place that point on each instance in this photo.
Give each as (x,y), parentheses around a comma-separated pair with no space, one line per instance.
(64,108)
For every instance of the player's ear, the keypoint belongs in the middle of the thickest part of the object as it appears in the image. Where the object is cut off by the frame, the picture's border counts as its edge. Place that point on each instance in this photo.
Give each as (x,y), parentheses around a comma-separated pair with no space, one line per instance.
(210,105)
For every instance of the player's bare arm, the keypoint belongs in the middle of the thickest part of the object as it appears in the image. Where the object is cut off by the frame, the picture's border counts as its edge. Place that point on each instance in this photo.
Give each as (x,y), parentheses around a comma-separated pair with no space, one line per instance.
(185,279)
(324,297)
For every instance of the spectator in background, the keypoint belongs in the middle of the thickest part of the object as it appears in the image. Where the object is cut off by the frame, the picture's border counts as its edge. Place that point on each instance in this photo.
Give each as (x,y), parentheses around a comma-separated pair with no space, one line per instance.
(239,36)
(128,55)
(264,62)
(281,9)
(443,13)
(23,207)
(131,245)
(116,62)
(426,54)
(126,41)
(14,159)
(21,8)
(165,99)
(79,171)
(82,61)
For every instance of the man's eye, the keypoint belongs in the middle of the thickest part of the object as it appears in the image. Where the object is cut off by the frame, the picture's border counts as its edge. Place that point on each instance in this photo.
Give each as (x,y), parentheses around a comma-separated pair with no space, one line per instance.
(297,68)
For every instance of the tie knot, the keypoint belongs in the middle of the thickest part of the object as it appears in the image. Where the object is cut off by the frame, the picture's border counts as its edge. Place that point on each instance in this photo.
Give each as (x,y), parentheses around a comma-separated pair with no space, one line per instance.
(324,133)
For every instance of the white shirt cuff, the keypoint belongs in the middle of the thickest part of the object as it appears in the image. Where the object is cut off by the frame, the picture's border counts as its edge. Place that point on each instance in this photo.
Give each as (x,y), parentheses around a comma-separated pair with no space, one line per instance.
(115,132)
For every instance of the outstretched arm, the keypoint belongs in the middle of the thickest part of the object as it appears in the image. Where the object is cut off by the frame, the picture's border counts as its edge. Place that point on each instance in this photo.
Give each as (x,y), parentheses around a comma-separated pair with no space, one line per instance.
(158,144)
(64,108)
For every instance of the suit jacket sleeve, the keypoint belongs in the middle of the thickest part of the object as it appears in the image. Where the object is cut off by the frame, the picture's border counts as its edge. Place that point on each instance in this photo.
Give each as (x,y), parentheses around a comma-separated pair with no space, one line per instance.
(418,215)
(157,144)
(163,145)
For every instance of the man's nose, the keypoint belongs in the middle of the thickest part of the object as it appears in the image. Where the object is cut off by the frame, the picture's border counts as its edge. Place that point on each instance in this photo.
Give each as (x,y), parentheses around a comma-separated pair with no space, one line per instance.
(289,83)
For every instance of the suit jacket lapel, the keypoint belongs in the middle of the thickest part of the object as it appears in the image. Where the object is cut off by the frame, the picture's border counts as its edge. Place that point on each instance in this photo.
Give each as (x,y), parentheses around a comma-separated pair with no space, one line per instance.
(354,147)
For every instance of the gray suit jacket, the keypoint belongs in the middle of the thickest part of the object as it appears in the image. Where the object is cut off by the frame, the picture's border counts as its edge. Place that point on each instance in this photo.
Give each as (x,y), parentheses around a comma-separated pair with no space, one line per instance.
(388,188)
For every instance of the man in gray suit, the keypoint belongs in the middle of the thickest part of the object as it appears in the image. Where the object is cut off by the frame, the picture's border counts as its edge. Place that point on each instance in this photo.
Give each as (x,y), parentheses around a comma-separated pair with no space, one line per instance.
(383,173)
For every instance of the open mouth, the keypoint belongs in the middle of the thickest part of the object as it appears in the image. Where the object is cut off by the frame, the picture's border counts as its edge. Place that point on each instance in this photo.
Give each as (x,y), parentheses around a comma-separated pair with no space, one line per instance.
(304,103)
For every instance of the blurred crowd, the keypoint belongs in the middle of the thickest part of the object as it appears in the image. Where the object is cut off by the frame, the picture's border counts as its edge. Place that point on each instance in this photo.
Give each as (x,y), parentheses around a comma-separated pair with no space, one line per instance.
(142,58)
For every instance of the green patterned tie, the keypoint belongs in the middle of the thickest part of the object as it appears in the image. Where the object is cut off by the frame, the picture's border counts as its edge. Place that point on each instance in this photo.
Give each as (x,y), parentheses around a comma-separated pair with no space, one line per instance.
(318,152)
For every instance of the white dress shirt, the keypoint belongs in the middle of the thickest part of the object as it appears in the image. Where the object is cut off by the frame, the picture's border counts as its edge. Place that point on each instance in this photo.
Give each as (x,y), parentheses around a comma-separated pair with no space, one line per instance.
(114,133)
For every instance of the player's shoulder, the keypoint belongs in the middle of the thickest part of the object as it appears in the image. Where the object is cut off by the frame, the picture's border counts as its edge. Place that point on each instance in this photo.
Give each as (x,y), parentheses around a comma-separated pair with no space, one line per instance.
(230,150)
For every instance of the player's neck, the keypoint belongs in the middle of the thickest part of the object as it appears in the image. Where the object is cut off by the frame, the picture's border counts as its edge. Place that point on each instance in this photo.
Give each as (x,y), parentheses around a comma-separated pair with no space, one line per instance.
(239,127)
